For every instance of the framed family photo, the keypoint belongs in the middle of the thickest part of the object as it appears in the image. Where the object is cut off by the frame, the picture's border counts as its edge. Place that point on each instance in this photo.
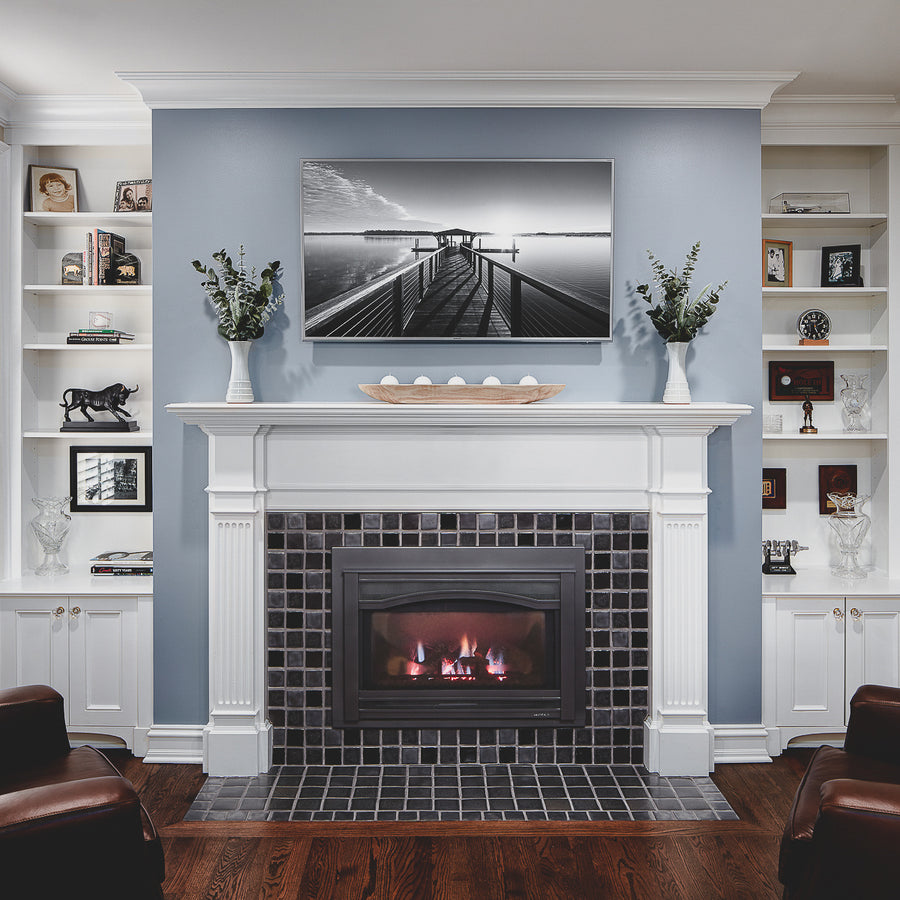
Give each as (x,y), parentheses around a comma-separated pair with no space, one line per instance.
(841,266)
(110,479)
(777,263)
(134,196)
(53,189)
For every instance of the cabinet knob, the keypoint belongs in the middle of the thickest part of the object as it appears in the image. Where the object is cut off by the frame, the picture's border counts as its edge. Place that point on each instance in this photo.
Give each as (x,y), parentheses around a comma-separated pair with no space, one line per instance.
(838,613)
(855,613)
(60,610)
(76,611)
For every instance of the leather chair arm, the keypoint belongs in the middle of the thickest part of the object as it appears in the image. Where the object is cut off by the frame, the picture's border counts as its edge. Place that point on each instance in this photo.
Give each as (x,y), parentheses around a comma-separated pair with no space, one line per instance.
(33,725)
(874,726)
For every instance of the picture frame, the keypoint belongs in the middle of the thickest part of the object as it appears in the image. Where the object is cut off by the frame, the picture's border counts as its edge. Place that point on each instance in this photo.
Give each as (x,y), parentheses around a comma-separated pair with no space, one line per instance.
(134,196)
(840,479)
(379,238)
(777,263)
(800,380)
(110,479)
(774,488)
(841,266)
(53,189)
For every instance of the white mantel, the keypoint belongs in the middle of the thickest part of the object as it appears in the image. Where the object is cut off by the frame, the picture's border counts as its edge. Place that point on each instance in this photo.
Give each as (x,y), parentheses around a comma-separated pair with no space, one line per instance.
(379,457)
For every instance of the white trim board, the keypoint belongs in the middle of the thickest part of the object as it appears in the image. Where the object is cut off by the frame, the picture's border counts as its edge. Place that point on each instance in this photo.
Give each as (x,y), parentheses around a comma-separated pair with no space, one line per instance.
(175,744)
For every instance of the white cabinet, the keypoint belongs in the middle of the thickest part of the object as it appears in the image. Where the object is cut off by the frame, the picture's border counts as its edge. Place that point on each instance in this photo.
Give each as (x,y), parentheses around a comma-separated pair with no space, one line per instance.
(95,650)
(819,650)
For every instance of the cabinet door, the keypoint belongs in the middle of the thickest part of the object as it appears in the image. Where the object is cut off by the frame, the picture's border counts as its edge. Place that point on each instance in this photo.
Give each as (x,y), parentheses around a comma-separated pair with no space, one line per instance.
(34,642)
(873,642)
(102,661)
(810,662)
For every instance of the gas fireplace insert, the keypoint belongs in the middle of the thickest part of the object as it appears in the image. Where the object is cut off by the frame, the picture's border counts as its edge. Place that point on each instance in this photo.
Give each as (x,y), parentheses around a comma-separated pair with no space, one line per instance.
(458,636)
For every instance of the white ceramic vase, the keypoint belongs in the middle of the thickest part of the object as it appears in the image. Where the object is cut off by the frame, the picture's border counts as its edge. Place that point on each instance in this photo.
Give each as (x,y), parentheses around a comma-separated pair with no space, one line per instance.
(677,388)
(240,390)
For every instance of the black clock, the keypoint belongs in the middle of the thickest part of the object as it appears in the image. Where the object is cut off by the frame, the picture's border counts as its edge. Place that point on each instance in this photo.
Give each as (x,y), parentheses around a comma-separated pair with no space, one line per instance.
(813,325)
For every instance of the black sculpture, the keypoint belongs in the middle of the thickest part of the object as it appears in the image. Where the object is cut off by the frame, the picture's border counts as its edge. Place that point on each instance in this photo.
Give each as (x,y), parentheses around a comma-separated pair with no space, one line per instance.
(110,399)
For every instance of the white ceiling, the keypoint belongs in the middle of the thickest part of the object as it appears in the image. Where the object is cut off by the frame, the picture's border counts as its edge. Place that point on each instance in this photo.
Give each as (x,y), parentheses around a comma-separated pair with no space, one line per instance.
(62,47)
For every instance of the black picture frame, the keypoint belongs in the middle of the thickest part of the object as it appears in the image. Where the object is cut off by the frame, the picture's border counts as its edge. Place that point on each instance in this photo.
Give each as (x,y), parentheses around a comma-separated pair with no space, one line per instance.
(801,380)
(134,196)
(774,488)
(835,479)
(42,197)
(841,266)
(110,479)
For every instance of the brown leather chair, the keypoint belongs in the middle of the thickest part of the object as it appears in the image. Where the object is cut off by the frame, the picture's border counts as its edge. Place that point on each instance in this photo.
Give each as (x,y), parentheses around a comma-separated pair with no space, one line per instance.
(842,838)
(70,824)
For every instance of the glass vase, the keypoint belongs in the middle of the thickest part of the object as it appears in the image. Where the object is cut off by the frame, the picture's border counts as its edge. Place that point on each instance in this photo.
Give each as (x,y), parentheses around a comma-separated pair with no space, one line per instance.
(854,397)
(850,527)
(50,527)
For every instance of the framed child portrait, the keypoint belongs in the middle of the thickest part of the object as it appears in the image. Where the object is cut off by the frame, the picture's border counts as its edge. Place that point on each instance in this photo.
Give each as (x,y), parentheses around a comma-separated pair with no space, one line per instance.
(53,189)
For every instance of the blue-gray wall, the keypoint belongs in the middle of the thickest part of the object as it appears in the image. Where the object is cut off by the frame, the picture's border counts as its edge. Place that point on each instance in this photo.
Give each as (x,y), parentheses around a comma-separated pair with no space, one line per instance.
(225,177)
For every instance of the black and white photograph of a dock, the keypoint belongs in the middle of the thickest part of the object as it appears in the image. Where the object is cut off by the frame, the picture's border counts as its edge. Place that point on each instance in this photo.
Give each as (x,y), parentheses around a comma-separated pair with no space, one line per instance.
(467,249)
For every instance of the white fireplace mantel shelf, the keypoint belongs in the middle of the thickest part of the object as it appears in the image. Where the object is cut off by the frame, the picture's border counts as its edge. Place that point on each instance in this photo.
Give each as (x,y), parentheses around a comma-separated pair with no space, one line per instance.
(431,457)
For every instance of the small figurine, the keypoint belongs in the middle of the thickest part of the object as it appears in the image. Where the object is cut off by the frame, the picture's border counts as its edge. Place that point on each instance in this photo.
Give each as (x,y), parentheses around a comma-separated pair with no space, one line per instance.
(110,399)
(808,427)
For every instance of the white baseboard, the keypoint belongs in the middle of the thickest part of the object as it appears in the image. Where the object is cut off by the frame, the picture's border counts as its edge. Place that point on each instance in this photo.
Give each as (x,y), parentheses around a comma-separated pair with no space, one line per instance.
(175,744)
(740,744)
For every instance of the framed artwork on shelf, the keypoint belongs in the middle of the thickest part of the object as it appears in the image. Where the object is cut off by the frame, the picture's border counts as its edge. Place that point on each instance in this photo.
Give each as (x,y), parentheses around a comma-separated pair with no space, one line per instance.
(789,380)
(774,488)
(134,196)
(110,479)
(841,266)
(778,263)
(457,249)
(53,189)
(840,479)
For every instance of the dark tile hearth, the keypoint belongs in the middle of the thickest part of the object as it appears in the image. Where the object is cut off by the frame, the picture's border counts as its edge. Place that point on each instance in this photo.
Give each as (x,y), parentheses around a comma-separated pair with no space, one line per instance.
(458,792)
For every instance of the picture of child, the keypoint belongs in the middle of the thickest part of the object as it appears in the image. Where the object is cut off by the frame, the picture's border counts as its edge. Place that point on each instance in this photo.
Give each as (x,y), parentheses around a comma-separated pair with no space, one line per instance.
(57,192)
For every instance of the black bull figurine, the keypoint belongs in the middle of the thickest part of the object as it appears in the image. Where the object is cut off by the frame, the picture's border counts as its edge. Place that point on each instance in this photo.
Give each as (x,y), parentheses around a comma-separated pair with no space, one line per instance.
(110,399)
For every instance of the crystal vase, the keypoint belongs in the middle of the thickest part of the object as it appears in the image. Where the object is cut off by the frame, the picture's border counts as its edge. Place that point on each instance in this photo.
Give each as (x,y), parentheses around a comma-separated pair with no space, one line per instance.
(850,527)
(50,527)
(854,397)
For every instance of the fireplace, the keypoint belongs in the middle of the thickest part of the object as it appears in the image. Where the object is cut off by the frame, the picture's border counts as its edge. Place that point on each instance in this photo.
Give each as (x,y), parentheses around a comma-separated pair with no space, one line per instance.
(455,637)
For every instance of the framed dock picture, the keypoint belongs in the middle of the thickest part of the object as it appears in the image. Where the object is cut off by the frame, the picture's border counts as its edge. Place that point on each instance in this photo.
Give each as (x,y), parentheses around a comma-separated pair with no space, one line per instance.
(457,249)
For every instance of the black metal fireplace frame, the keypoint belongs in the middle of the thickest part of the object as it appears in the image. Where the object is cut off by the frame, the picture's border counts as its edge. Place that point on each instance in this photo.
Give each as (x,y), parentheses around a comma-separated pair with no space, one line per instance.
(561,705)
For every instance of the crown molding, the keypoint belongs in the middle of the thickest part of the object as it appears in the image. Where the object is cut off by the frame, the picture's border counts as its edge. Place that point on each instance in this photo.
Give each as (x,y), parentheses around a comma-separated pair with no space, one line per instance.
(838,119)
(70,118)
(7,99)
(209,90)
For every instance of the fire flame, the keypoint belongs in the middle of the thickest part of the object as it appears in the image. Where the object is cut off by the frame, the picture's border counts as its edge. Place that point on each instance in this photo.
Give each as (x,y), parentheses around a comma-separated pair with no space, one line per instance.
(454,669)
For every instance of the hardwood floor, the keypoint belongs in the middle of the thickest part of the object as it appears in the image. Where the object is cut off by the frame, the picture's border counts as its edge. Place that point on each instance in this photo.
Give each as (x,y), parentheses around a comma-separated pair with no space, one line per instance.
(476,861)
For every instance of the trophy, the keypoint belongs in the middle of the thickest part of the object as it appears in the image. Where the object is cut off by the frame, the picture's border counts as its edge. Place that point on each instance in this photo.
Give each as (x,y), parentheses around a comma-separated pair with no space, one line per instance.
(807,427)
(782,549)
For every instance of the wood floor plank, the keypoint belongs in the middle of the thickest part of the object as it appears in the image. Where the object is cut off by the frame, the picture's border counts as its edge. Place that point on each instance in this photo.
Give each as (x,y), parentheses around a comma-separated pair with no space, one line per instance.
(284,868)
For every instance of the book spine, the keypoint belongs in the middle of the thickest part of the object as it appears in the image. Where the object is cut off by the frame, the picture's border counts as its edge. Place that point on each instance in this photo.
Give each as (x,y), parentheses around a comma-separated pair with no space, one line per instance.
(103,263)
(94,339)
(113,331)
(121,570)
(86,271)
(95,255)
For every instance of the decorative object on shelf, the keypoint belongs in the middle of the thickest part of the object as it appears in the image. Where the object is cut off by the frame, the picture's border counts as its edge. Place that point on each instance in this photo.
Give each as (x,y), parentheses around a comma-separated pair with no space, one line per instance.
(100,319)
(774,488)
(677,318)
(491,379)
(773,423)
(855,398)
(50,527)
(841,266)
(125,268)
(390,379)
(110,400)
(72,269)
(528,379)
(123,562)
(53,189)
(810,204)
(839,479)
(110,479)
(134,196)
(99,331)
(813,326)
(778,263)
(782,550)
(807,427)
(422,379)
(461,393)
(243,308)
(789,380)
(850,527)
(456,379)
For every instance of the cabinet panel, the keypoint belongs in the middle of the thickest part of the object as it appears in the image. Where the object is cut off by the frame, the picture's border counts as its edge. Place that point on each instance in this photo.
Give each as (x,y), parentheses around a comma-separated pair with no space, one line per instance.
(33,643)
(809,651)
(873,643)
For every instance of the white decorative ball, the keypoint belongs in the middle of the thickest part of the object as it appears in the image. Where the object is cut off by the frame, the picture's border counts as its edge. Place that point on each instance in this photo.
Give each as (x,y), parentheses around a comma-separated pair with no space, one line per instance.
(491,379)
(422,379)
(389,379)
(457,379)
(528,379)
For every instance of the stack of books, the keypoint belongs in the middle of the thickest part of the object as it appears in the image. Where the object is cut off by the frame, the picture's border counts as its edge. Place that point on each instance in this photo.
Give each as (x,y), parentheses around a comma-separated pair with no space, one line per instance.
(123,562)
(99,248)
(99,336)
